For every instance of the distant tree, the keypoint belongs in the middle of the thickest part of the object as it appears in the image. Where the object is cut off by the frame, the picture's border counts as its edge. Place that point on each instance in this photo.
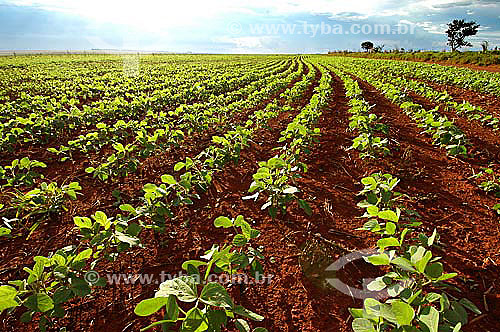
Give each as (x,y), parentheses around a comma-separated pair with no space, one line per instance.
(367,45)
(378,48)
(485,44)
(458,30)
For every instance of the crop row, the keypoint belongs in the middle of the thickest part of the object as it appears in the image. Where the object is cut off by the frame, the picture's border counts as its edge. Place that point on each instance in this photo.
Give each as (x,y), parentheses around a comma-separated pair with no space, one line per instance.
(482,81)
(442,130)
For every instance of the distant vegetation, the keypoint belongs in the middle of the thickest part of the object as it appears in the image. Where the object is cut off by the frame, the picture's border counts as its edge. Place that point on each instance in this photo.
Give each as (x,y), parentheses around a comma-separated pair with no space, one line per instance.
(477,58)
(458,31)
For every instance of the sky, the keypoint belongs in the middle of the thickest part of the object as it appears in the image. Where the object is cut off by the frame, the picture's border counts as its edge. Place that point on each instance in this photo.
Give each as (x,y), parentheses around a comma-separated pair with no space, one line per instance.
(238,26)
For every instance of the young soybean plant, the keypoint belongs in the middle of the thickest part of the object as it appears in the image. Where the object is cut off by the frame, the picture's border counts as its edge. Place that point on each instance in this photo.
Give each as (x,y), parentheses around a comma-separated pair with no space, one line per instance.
(228,148)
(120,163)
(490,184)
(51,282)
(20,171)
(5,231)
(159,200)
(416,280)
(367,125)
(41,202)
(212,307)
(272,178)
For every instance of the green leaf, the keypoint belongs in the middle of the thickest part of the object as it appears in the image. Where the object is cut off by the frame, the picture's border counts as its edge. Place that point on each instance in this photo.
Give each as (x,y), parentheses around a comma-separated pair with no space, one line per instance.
(168,179)
(215,295)
(457,327)
(216,319)
(124,238)
(134,229)
(447,276)
(80,287)
(39,302)
(372,210)
(240,240)
(368,181)
(223,222)
(433,237)
(305,206)
(246,229)
(395,289)
(389,215)
(456,314)
(422,263)
(381,259)
(242,325)
(193,262)
(240,310)
(403,263)
(26,317)
(387,242)
(150,306)
(377,285)
(71,194)
(363,325)
(62,295)
(404,313)
(184,288)
(7,296)
(84,255)
(471,306)
(4,231)
(390,228)
(434,270)
(356,313)
(430,318)
(127,208)
(194,321)
(102,219)
(371,308)
(444,302)
(387,313)
(82,222)
(432,297)
(172,309)
(179,166)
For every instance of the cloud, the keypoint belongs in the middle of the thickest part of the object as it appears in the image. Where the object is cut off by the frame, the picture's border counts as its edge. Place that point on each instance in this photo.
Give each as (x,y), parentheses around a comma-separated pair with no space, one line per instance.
(155,14)
(453,4)
(349,16)
(427,26)
(252,44)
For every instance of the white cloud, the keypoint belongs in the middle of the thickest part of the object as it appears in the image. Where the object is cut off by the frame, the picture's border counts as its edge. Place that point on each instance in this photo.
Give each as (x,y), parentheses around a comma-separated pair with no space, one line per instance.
(154,14)
(146,14)
(262,44)
(428,26)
